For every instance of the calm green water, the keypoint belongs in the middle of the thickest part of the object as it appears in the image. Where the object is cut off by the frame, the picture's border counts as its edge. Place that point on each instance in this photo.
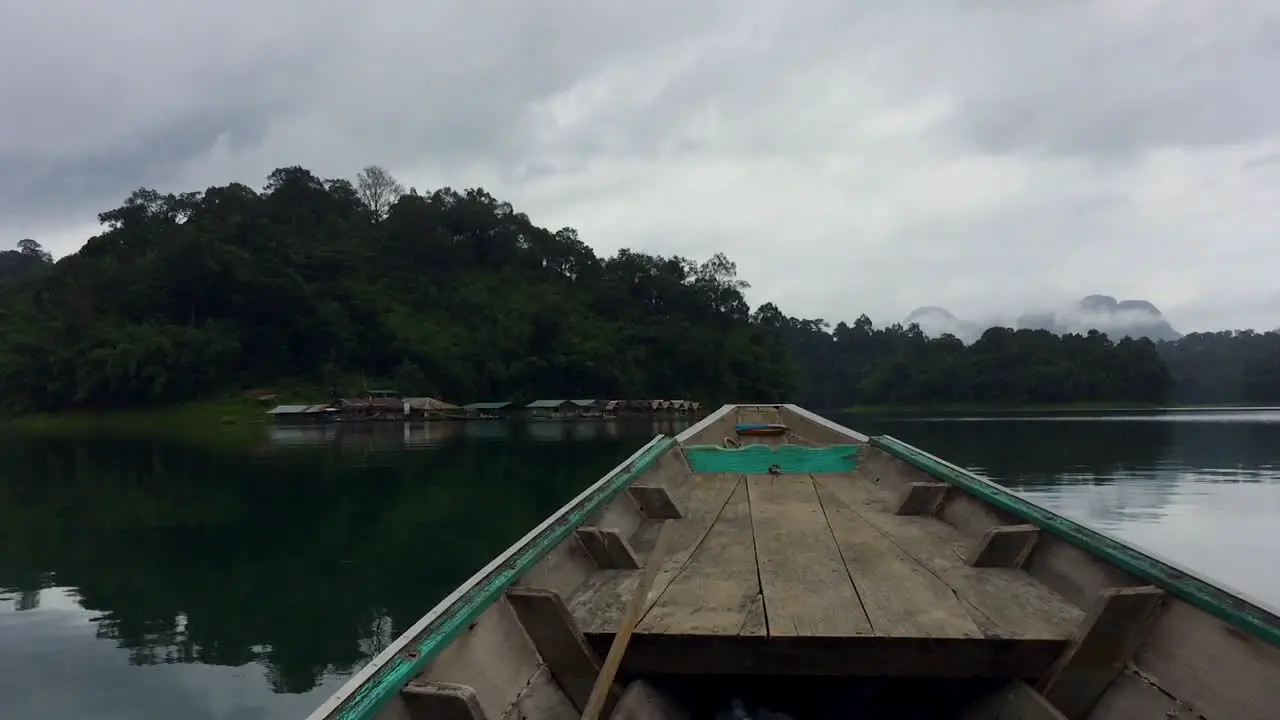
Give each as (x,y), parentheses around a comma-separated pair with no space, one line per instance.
(145,578)
(1198,487)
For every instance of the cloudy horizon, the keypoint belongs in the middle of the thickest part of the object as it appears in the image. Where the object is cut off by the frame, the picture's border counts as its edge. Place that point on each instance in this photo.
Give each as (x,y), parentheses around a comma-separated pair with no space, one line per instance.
(988,158)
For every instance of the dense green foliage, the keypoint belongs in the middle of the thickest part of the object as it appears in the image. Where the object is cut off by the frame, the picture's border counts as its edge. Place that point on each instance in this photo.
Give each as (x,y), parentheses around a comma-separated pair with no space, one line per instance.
(1239,366)
(861,365)
(25,262)
(456,295)
(451,294)
(896,365)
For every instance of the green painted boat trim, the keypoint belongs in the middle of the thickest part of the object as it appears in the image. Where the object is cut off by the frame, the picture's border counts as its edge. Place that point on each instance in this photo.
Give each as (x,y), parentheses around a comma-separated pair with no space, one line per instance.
(756,458)
(1234,610)
(387,682)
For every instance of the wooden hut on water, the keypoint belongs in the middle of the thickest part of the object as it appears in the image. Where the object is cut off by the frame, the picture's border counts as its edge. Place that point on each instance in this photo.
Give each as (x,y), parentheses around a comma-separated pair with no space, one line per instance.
(303,413)
(373,405)
(589,408)
(551,409)
(486,410)
(429,408)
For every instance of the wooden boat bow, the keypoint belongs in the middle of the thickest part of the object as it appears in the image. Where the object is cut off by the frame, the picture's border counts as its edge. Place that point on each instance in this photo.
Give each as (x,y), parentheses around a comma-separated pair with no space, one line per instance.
(814,561)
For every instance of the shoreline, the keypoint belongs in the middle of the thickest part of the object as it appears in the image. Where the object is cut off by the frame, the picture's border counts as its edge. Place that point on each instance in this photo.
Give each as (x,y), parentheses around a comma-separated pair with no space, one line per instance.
(1059,407)
(196,416)
(239,412)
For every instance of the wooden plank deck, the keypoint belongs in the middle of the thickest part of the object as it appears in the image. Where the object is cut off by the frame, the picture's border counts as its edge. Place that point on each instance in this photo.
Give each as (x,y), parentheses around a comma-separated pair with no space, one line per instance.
(817,575)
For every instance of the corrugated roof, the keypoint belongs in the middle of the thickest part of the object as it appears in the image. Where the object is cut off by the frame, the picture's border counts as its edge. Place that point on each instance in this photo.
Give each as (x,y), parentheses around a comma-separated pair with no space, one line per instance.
(429,403)
(547,403)
(297,409)
(486,405)
(382,402)
(583,403)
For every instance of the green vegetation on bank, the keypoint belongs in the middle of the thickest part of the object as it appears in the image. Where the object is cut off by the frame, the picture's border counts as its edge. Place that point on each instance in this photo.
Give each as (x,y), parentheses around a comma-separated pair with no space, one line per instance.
(191,296)
(182,418)
(861,365)
(897,367)
(946,408)
(988,408)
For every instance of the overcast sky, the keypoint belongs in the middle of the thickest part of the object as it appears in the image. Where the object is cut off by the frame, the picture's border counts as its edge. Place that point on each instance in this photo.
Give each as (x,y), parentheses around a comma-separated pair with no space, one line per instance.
(983,155)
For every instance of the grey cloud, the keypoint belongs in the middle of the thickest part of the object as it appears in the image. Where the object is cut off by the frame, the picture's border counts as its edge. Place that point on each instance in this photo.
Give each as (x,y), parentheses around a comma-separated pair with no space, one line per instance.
(1059,77)
(39,189)
(340,83)
(1100,203)
(453,84)
(1185,73)
(1260,311)
(1054,78)
(1262,161)
(565,106)
(456,84)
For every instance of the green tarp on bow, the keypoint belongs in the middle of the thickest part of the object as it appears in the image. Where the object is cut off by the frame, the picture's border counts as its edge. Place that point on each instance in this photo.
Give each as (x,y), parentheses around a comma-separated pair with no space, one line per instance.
(755,459)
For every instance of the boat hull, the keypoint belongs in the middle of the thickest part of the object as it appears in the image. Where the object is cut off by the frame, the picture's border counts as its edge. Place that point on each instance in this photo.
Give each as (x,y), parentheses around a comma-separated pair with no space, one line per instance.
(866,561)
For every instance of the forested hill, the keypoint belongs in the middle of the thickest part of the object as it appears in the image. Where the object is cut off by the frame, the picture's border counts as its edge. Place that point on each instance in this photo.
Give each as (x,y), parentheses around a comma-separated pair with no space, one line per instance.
(858,364)
(454,294)
(863,365)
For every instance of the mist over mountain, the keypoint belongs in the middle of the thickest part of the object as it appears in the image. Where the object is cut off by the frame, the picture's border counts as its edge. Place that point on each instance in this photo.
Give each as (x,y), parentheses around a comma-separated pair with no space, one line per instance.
(1116,318)
(936,321)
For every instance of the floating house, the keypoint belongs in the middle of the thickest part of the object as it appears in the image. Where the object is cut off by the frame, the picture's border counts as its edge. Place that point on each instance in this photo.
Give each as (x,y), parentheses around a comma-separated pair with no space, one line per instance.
(303,413)
(551,409)
(374,405)
(430,408)
(482,410)
(589,408)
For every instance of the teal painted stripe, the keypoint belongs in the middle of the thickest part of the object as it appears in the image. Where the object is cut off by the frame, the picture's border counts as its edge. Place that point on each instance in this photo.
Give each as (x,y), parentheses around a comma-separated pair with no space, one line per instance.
(755,459)
(1214,600)
(373,695)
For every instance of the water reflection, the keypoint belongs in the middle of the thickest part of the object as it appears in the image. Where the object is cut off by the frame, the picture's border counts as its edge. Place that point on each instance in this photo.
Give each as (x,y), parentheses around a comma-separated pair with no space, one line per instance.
(387,435)
(234,583)
(142,578)
(1199,487)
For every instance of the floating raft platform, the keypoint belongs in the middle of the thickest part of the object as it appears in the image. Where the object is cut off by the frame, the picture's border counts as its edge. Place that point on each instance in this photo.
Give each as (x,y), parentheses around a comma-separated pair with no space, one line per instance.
(832,568)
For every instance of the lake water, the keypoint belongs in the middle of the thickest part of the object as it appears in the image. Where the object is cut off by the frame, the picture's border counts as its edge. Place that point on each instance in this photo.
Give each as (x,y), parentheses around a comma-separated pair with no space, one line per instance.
(150,578)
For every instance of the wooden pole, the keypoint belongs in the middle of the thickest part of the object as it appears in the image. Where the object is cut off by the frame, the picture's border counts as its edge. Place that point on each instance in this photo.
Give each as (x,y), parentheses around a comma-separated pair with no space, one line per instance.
(600,691)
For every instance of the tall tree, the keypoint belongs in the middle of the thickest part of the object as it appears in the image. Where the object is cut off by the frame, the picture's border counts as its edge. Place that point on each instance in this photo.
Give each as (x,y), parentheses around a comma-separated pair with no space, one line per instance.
(378,190)
(33,249)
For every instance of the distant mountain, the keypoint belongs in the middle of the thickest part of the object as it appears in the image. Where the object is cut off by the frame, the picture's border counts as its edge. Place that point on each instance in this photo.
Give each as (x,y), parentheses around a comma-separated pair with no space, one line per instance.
(1123,318)
(935,321)
(1117,318)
